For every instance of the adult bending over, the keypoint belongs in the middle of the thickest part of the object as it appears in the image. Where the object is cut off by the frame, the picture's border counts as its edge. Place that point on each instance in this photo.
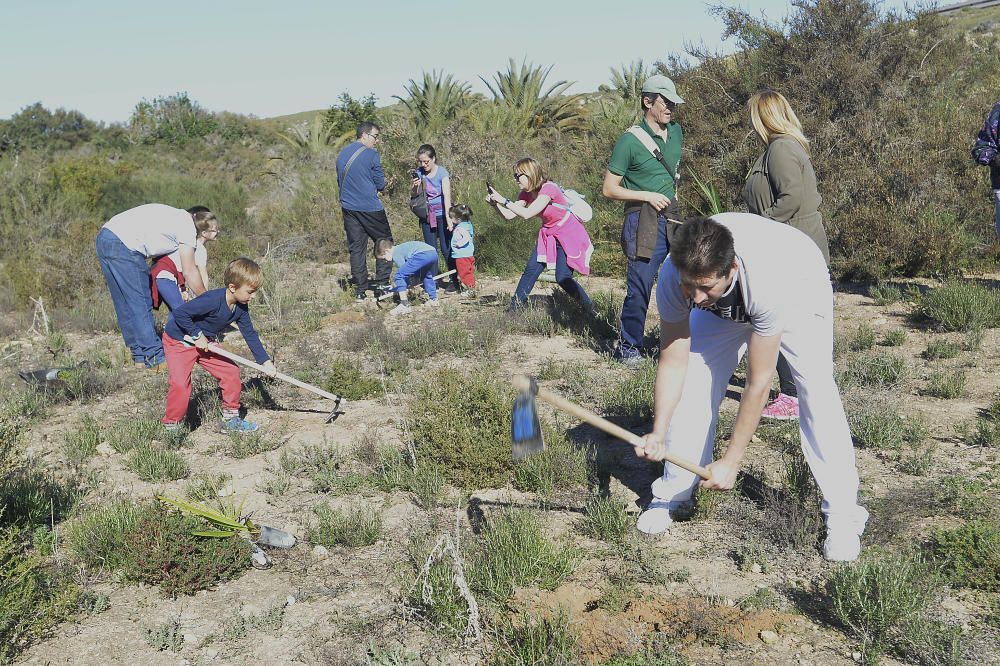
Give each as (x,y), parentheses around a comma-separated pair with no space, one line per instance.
(721,294)
(124,245)
(168,281)
(562,240)
(435,182)
(782,186)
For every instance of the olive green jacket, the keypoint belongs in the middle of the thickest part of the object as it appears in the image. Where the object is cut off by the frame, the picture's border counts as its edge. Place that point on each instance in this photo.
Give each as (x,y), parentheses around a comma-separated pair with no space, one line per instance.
(782,186)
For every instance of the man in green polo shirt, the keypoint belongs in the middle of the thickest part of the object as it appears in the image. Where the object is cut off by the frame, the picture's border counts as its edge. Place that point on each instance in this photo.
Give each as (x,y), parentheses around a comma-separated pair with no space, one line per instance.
(644,180)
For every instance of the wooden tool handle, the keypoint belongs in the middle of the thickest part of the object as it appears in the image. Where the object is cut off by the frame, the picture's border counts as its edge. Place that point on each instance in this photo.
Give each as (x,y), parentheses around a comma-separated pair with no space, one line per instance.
(523,383)
(236,358)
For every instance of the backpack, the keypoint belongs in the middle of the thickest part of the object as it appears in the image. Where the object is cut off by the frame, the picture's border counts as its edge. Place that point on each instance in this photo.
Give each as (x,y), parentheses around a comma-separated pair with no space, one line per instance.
(575,203)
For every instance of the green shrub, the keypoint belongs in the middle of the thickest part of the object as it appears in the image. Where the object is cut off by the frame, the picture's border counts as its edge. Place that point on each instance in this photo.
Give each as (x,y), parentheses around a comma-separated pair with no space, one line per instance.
(894,338)
(346,379)
(81,443)
(918,460)
(961,496)
(34,596)
(166,636)
(877,596)
(30,496)
(970,554)
(885,294)
(439,601)
(512,552)
(151,463)
(946,384)
(561,466)
(939,348)
(878,369)
(961,306)
(862,339)
(792,517)
(427,483)
(460,420)
(605,519)
(146,543)
(123,436)
(985,431)
(632,397)
(535,640)
(246,444)
(356,527)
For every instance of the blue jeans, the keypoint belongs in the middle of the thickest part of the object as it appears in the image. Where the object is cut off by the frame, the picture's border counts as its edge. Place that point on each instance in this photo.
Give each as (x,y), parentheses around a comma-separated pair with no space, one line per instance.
(127,275)
(639,282)
(419,265)
(169,293)
(564,277)
(996,221)
(440,238)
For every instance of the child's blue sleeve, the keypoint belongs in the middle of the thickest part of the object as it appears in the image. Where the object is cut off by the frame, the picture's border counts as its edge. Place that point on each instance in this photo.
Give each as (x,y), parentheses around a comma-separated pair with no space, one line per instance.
(250,335)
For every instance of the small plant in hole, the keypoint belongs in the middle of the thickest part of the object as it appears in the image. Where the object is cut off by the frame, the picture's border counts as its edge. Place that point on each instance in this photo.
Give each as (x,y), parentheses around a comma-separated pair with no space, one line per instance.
(355,527)
(605,519)
(166,636)
(862,339)
(946,384)
(894,338)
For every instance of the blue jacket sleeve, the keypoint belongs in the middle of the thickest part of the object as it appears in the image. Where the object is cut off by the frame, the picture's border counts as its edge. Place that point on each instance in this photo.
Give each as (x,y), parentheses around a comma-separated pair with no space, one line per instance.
(199,308)
(378,176)
(250,336)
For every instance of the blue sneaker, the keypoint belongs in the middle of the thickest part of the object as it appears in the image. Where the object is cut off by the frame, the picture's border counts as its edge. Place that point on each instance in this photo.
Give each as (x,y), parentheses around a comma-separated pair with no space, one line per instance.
(236,424)
(628,356)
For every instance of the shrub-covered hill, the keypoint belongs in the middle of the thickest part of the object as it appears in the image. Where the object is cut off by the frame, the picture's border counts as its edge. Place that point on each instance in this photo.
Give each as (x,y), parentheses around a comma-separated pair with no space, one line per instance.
(891,104)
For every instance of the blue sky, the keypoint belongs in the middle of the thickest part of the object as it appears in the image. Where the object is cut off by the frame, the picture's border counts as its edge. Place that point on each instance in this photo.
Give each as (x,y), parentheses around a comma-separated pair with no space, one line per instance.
(274,58)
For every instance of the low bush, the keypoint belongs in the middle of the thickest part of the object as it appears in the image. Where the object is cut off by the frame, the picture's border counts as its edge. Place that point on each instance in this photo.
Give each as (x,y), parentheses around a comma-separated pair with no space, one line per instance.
(862,339)
(605,519)
(960,306)
(146,543)
(874,369)
(81,443)
(535,640)
(970,554)
(30,496)
(438,599)
(165,636)
(894,338)
(345,378)
(632,397)
(512,552)
(461,420)
(247,444)
(877,597)
(123,436)
(792,517)
(561,466)
(939,348)
(360,526)
(875,423)
(152,463)
(34,595)
(946,384)
(885,294)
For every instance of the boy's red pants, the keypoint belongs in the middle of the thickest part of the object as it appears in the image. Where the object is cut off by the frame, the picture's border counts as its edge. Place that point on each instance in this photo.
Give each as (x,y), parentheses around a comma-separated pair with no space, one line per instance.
(466,271)
(180,363)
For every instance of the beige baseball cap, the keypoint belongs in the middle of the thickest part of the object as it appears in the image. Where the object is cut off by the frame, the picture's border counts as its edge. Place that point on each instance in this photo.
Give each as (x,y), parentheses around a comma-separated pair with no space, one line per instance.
(662,85)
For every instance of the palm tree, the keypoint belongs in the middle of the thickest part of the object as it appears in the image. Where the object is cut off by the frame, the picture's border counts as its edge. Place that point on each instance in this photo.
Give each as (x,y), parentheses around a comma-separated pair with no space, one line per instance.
(522,93)
(434,101)
(627,80)
(309,137)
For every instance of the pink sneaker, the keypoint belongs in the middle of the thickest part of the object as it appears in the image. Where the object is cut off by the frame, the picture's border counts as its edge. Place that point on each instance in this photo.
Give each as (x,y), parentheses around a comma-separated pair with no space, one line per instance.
(782,408)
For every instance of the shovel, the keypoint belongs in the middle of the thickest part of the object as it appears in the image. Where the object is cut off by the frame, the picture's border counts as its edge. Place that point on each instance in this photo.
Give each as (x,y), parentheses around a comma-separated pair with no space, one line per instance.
(236,358)
(527,433)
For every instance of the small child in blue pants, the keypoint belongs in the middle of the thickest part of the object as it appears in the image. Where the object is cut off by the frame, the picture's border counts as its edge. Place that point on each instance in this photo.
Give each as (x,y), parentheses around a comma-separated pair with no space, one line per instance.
(413,260)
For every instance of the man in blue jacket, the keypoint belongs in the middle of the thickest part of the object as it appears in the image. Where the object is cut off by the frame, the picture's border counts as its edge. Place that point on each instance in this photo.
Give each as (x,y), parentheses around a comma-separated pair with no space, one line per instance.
(360,178)
(986,151)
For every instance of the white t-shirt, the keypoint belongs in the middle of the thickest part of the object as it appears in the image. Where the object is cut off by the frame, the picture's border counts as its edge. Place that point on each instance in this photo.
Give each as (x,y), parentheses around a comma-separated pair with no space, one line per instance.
(200,259)
(153,229)
(781,275)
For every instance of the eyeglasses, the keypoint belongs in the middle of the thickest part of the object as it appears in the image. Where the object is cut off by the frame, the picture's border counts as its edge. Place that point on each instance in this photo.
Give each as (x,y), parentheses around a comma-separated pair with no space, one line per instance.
(374,136)
(517,175)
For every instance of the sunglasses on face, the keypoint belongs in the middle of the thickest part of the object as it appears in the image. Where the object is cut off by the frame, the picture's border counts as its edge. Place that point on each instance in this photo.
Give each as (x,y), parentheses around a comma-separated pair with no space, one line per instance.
(517,175)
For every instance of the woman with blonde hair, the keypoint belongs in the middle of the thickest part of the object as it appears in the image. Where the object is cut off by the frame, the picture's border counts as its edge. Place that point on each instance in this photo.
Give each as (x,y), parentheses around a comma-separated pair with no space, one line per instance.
(563,243)
(782,186)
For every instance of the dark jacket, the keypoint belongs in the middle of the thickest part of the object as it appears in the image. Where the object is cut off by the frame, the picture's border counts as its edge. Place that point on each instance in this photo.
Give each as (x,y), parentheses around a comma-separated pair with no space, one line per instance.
(782,186)
(210,314)
(986,150)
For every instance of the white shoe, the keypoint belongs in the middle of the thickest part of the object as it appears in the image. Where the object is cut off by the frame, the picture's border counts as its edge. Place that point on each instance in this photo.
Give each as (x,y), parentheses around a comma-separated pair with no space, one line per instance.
(843,538)
(433,303)
(401,309)
(655,519)
(842,546)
